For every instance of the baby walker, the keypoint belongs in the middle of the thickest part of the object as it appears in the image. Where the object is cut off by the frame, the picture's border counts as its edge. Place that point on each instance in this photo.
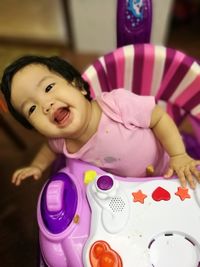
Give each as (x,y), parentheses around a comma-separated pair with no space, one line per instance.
(90,218)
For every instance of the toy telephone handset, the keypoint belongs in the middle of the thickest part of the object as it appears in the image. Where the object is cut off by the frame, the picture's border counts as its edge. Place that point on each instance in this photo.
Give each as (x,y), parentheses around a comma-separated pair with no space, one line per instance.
(113,201)
(134,20)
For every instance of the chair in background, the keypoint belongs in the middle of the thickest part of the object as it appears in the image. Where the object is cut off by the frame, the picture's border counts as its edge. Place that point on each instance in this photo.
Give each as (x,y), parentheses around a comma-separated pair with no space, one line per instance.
(170,75)
(147,69)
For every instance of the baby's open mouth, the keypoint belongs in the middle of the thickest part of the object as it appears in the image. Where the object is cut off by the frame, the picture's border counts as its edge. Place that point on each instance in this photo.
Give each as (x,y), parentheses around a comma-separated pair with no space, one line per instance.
(61,115)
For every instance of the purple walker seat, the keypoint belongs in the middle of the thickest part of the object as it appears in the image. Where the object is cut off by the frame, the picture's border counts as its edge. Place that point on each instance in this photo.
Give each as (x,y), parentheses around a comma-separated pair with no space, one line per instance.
(64,214)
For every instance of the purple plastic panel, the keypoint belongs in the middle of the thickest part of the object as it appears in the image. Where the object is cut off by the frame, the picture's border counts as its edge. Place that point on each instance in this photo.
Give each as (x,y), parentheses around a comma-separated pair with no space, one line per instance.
(134,21)
(58,220)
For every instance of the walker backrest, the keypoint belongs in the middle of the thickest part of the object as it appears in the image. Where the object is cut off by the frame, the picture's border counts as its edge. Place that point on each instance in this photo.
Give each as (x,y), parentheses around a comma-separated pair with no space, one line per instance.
(170,75)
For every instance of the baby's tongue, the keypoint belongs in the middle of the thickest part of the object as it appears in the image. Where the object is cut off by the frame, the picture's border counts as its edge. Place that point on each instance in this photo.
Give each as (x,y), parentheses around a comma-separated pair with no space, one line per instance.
(61,114)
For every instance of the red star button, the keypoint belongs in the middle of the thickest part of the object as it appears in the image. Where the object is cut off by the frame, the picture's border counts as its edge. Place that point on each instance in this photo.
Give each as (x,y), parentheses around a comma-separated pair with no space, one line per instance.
(182,193)
(139,196)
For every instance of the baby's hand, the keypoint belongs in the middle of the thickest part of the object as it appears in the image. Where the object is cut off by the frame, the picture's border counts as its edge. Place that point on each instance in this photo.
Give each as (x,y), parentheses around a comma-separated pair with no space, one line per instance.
(185,168)
(26,172)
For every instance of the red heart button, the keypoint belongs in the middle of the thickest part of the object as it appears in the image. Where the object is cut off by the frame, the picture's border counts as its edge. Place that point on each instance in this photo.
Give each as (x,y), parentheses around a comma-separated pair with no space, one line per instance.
(160,194)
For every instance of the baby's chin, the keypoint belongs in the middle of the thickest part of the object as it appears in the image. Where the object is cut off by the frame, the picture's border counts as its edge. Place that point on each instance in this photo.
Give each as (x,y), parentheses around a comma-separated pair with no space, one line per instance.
(57,134)
(54,133)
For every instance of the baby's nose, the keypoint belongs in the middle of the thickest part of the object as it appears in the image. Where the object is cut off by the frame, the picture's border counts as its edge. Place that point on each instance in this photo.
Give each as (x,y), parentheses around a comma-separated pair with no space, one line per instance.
(48,107)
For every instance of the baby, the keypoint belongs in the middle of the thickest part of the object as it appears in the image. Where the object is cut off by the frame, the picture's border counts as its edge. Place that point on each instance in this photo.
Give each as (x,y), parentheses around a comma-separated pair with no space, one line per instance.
(119,131)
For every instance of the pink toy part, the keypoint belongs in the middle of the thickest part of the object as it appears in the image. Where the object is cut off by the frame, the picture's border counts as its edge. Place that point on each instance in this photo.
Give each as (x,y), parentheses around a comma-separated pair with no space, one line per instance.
(55,195)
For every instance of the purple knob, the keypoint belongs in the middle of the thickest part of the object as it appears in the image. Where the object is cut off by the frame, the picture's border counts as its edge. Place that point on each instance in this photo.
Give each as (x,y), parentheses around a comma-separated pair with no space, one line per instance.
(59,202)
(105,182)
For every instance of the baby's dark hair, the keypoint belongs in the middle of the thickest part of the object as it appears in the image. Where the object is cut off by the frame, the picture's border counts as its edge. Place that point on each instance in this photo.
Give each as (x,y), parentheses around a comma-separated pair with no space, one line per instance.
(55,64)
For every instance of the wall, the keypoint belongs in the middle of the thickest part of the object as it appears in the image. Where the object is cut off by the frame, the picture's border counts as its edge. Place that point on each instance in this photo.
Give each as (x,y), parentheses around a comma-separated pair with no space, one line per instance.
(94,23)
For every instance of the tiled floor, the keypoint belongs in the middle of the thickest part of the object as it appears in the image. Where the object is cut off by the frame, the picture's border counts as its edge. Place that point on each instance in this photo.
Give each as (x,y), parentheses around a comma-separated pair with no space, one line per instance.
(19,235)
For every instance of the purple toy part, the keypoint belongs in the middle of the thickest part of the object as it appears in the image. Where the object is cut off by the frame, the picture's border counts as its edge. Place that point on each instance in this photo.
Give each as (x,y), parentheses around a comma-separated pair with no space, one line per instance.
(105,182)
(58,203)
(62,242)
(134,21)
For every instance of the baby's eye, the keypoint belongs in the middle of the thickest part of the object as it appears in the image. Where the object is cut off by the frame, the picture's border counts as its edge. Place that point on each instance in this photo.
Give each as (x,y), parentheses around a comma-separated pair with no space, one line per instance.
(49,87)
(31,110)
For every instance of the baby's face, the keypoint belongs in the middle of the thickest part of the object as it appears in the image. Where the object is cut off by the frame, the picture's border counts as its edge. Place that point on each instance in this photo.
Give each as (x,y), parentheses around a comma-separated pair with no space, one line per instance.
(53,106)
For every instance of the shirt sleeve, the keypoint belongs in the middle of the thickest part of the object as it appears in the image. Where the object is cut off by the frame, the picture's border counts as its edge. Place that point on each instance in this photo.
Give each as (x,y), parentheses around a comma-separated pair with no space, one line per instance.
(133,109)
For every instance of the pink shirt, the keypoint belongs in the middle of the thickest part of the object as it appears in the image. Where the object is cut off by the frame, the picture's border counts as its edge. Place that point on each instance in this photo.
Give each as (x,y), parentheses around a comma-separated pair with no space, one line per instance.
(123,144)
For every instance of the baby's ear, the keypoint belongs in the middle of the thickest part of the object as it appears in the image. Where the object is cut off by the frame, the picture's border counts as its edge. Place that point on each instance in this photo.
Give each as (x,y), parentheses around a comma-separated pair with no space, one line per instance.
(83,91)
(73,83)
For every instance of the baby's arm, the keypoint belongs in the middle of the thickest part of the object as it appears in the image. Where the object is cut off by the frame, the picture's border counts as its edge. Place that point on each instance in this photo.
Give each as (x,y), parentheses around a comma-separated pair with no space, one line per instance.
(168,134)
(40,163)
